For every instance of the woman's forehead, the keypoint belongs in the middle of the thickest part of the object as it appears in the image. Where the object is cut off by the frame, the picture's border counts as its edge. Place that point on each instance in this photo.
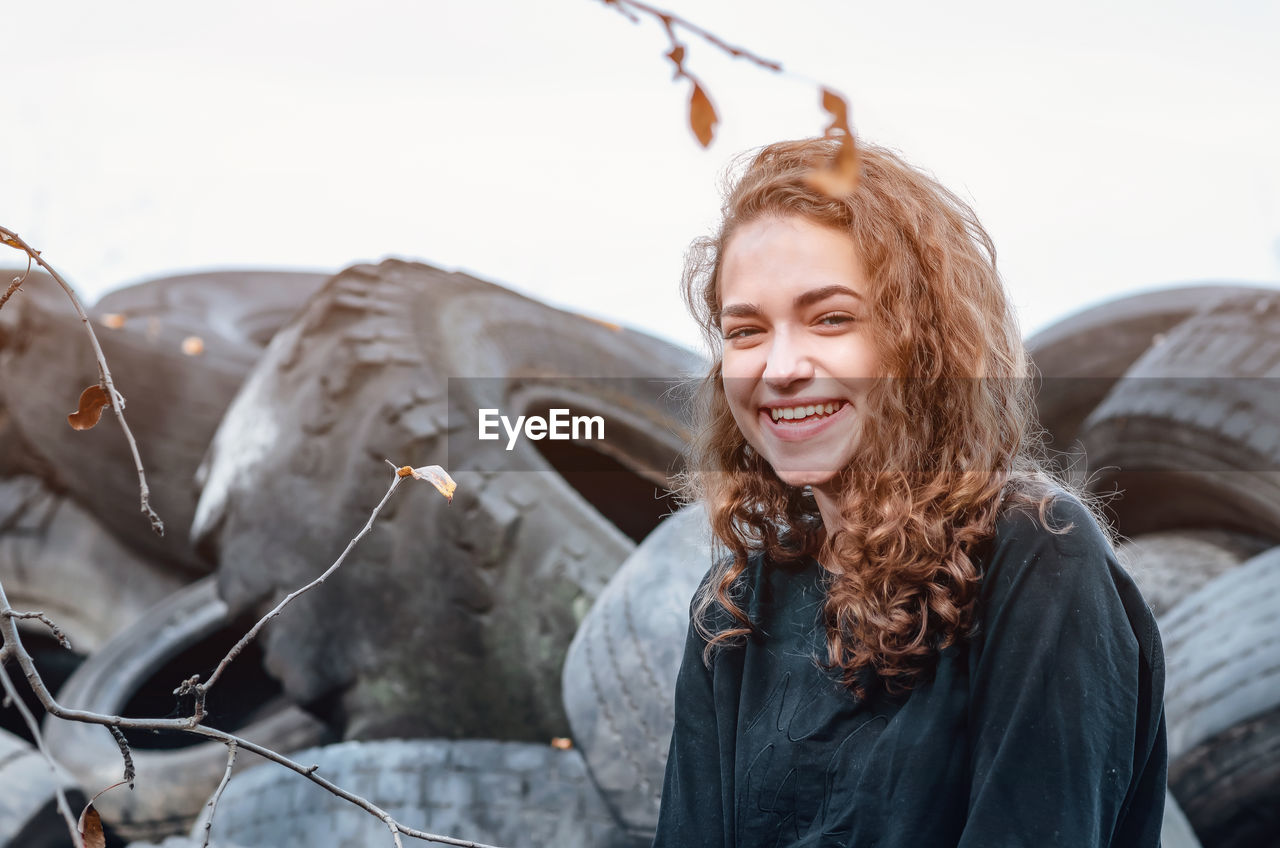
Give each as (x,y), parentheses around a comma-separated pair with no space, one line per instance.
(781,258)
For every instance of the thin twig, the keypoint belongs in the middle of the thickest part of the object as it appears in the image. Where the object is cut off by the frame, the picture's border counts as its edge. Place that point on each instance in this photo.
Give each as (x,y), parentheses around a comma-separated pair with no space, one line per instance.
(9,631)
(201,689)
(129,772)
(670,20)
(64,807)
(11,645)
(104,373)
(16,284)
(838,179)
(39,616)
(392,826)
(217,793)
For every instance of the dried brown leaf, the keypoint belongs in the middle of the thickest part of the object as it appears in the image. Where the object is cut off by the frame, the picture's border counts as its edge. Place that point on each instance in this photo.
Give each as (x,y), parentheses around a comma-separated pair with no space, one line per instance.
(90,824)
(90,827)
(847,158)
(838,109)
(4,239)
(436,476)
(831,183)
(702,116)
(92,400)
(840,178)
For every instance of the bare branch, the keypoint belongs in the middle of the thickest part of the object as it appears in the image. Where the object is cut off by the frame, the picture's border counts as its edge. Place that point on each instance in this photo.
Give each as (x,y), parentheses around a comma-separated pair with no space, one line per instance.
(670,21)
(434,475)
(12,239)
(64,807)
(9,630)
(57,631)
(395,831)
(16,284)
(217,794)
(838,179)
(193,686)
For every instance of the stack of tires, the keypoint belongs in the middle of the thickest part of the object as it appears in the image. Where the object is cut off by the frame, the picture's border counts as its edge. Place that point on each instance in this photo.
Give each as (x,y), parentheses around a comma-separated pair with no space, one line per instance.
(264,406)
(1190,436)
(136,607)
(550,598)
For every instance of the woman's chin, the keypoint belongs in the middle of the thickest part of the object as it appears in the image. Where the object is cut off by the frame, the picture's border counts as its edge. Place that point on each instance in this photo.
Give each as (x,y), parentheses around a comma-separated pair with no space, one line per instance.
(799,477)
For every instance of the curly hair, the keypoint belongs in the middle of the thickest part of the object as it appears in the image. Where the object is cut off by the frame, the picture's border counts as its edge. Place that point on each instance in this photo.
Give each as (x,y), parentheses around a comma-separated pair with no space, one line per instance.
(949,437)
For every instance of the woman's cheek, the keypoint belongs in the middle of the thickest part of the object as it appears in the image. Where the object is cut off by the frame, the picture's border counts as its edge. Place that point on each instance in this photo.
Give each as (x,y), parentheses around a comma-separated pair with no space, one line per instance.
(743,363)
(739,376)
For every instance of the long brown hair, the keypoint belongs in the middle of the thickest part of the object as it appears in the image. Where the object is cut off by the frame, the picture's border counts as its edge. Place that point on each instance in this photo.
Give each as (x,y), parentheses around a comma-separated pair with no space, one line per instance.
(949,437)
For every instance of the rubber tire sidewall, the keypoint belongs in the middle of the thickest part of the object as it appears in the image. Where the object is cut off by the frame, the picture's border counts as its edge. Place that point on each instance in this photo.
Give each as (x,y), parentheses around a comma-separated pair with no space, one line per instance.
(172,785)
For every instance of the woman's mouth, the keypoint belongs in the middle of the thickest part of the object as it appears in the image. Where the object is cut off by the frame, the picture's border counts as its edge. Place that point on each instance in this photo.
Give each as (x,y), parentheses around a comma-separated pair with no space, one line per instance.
(803,421)
(803,412)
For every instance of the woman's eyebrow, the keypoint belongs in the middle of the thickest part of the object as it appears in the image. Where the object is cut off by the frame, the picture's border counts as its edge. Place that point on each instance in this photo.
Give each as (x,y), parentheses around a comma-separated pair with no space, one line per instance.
(751,310)
(740,310)
(813,296)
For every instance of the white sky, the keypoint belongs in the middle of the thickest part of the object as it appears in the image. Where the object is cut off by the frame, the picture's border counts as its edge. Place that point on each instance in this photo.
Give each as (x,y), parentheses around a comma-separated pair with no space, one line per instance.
(1108,146)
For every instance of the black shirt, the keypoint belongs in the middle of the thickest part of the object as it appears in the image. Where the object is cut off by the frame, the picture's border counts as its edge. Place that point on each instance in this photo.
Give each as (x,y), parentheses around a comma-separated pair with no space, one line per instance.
(1045,728)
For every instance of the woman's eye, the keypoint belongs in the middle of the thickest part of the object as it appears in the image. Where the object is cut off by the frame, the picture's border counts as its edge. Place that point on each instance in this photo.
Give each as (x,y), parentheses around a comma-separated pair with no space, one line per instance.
(836,319)
(739,333)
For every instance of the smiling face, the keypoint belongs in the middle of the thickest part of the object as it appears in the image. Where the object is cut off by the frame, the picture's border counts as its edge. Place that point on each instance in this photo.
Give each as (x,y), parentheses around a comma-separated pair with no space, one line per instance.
(797,357)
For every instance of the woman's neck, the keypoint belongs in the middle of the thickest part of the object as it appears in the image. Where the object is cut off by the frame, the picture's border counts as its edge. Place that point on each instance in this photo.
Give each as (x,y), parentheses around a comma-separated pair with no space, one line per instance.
(829,509)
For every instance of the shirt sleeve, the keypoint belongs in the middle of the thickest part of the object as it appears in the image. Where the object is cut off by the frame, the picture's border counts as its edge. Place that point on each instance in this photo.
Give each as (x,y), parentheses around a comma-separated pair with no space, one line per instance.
(1066,717)
(690,815)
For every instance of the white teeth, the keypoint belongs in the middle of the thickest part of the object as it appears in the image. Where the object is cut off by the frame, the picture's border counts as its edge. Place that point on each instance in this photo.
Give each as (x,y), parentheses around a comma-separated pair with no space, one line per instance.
(793,413)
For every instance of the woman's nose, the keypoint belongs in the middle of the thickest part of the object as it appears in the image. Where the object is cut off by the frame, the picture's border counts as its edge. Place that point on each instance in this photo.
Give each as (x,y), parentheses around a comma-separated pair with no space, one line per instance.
(787,364)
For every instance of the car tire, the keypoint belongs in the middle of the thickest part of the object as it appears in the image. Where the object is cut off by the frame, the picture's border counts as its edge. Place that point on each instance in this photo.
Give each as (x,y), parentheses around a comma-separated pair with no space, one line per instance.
(620,673)
(56,558)
(1080,357)
(40,293)
(198,842)
(174,398)
(449,620)
(132,674)
(1222,704)
(1172,564)
(1190,435)
(1176,831)
(514,794)
(29,815)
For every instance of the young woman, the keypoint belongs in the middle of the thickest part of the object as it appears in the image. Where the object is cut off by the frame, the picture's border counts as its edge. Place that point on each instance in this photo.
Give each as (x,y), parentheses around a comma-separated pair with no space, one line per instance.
(917,638)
